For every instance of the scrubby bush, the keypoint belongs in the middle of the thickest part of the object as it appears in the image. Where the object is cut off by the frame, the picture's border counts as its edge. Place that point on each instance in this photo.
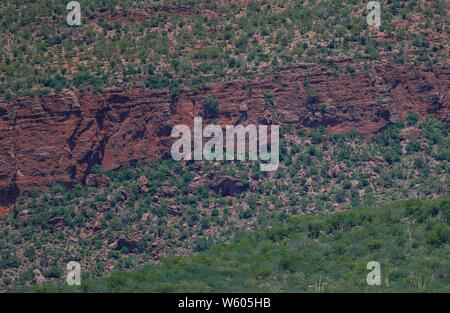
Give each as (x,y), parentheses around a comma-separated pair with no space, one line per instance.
(210,108)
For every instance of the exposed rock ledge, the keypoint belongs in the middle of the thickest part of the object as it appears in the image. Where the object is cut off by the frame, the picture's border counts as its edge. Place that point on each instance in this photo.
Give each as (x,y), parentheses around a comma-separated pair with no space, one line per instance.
(61,137)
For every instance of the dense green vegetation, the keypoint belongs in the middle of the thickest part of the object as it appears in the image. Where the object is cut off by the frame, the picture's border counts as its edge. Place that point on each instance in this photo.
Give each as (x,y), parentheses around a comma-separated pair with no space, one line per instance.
(173,44)
(410,239)
(180,213)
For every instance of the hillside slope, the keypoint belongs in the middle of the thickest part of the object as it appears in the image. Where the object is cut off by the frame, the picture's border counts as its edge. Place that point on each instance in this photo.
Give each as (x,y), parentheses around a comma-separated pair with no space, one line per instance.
(109,91)
(123,219)
(410,239)
(60,138)
(86,115)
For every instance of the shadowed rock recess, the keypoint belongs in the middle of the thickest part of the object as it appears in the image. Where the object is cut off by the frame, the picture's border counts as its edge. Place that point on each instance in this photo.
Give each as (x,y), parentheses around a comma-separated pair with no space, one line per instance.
(59,138)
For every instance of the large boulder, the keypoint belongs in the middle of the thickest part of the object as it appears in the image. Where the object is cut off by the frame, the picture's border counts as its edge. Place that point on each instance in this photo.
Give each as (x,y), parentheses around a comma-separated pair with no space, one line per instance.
(56,221)
(142,183)
(228,186)
(40,279)
(130,244)
(174,210)
(4,210)
(196,184)
(167,191)
(410,132)
(96,180)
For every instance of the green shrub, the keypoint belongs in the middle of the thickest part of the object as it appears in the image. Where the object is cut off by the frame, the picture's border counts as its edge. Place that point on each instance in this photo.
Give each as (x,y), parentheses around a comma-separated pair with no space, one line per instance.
(210,108)
(438,234)
(203,244)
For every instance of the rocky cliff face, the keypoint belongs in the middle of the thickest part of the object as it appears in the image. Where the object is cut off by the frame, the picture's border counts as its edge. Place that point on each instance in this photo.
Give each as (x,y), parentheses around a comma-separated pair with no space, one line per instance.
(61,137)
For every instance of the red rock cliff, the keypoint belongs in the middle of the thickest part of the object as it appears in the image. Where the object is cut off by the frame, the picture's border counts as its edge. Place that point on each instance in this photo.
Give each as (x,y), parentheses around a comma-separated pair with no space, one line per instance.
(60,137)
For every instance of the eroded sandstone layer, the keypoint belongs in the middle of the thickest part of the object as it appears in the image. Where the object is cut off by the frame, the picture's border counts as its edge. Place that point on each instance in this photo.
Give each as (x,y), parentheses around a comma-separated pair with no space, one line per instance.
(61,137)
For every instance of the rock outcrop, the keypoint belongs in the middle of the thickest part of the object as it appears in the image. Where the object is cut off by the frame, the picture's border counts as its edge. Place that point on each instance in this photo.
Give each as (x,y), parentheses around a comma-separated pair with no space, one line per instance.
(95,180)
(40,279)
(62,137)
(142,184)
(228,186)
(129,243)
(56,221)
